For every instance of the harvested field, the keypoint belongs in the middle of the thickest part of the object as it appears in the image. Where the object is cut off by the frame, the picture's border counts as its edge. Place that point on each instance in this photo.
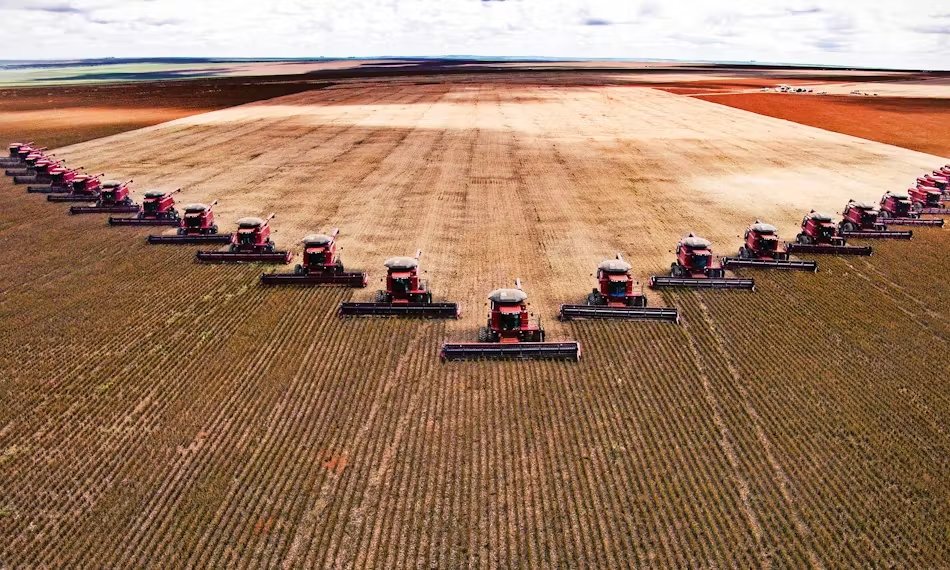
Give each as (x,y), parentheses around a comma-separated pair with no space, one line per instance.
(157,411)
(911,122)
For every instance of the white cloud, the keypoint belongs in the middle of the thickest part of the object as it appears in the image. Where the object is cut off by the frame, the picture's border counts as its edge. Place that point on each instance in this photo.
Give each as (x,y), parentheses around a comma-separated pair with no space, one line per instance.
(911,34)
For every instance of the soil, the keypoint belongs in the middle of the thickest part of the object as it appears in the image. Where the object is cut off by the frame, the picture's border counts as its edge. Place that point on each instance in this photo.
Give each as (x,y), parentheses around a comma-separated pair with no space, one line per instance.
(910,122)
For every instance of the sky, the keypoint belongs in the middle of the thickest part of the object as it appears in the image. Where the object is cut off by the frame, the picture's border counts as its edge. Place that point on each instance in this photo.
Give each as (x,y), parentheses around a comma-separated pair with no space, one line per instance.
(871,33)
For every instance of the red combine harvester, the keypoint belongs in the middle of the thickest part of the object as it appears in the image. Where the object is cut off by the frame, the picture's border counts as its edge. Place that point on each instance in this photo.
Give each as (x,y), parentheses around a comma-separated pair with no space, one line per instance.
(616,298)
(196,226)
(898,210)
(927,200)
(405,295)
(250,243)
(114,198)
(28,160)
(158,209)
(61,181)
(762,249)
(860,220)
(510,334)
(85,188)
(936,180)
(17,152)
(321,266)
(696,267)
(820,235)
(40,172)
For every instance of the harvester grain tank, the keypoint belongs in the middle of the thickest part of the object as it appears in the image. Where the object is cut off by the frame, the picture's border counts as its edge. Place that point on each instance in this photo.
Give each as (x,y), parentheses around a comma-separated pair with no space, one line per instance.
(197,225)
(510,333)
(762,249)
(860,220)
(406,295)
(820,235)
(696,267)
(114,198)
(616,297)
(321,265)
(250,243)
(898,209)
(158,209)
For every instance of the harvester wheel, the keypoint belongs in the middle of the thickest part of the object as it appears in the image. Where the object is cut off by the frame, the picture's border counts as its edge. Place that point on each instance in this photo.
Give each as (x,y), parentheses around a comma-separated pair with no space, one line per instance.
(743,253)
(181,231)
(382,297)
(484,334)
(299,270)
(594,298)
(339,266)
(637,301)
(214,229)
(676,270)
(916,206)
(718,273)
(803,239)
(848,227)
(884,214)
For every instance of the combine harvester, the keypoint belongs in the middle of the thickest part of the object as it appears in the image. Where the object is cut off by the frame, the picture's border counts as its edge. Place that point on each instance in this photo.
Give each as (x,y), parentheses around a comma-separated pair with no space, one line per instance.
(85,188)
(40,171)
(321,265)
(820,235)
(405,295)
(510,334)
(898,210)
(695,267)
(61,181)
(250,243)
(196,226)
(616,298)
(17,153)
(762,249)
(158,209)
(114,198)
(937,180)
(927,200)
(860,220)
(28,162)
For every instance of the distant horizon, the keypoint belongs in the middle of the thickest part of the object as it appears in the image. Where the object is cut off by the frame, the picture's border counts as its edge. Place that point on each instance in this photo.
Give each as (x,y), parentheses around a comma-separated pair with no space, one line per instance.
(26,63)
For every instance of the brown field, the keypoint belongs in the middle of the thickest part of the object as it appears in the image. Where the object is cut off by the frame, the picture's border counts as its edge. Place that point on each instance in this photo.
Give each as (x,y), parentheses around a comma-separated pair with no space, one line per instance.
(158,412)
(917,123)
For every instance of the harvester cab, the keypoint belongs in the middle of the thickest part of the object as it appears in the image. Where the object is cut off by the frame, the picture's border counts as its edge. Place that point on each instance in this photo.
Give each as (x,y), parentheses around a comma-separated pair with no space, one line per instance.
(763,249)
(860,219)
(922,197)
(402,282)
(510,333)
(696,267)
(900,209)
(940,182)
(199,220)
(321,265)
(895,205)
(406,295)
(820,235)
(251,242)
(158,209)
(616,297)
(195,226)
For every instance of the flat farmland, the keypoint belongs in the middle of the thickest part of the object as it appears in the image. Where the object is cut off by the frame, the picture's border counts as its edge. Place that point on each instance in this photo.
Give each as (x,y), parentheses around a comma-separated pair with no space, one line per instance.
(158,412)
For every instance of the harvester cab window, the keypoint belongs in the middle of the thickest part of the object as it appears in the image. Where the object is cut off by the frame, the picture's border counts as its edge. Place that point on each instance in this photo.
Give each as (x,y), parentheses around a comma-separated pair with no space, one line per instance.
(316,255)
(933,198)
(617,288)
(246,238)
(700,261)
(401,284)
(510,321)
(150,205)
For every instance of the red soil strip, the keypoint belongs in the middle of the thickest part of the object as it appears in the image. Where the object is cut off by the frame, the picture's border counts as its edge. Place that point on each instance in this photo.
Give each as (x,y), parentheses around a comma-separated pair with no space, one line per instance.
(56,116)
(914,123)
